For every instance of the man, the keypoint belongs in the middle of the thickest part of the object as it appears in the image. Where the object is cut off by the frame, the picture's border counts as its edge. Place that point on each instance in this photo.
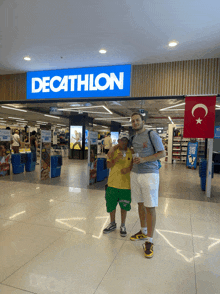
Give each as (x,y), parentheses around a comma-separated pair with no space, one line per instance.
(16,142)
(145,179)
(107,143)
(118,189)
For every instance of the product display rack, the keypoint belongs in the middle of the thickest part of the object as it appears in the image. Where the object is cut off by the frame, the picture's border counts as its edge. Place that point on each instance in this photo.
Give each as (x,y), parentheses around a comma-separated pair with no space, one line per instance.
(201,148)
(180,146)
(165,143)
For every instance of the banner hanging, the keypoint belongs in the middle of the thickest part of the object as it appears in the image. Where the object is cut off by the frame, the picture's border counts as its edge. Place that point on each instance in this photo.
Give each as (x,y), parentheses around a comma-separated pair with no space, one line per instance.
(92,157)
(199,119)
(45,154)
(5,156)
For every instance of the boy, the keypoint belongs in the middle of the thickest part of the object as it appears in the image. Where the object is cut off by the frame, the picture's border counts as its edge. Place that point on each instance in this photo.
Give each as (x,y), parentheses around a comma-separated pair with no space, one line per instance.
(118,189)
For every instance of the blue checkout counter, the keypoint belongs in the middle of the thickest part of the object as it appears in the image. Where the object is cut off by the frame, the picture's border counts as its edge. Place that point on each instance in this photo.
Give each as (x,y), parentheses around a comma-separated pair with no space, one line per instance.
(56,163)
(202,172)
(28,160)
(102,171)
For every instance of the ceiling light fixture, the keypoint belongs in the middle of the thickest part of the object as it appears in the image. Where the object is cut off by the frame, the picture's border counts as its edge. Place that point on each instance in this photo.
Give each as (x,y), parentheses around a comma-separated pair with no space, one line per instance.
(217,105)
(162,109)
(105,127)
(110,118)
(27,58)
(78,108)
(173,43)
(176,109)
(14,108)
(52,116)
(102,51)
(15,118)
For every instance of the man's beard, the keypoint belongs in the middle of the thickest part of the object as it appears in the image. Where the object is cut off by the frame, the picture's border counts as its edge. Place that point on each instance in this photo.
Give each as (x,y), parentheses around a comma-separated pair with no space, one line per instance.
(140,128)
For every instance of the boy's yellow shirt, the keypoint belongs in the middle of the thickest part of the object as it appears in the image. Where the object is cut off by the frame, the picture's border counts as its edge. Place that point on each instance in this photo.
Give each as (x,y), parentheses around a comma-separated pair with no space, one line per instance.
(116,179)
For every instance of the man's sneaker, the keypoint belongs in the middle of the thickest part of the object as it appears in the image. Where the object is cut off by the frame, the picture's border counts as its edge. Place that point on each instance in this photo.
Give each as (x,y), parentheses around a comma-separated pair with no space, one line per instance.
(123,232)
(138,236)
(148,249)
(111,227)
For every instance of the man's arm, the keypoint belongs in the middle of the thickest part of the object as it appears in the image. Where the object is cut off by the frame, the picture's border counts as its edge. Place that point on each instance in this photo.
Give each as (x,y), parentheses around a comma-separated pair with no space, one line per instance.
(112,150)
(150,158)
(112,162)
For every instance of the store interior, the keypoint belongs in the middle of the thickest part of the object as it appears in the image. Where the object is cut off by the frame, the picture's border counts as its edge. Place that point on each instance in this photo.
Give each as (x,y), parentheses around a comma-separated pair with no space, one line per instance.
(165,116)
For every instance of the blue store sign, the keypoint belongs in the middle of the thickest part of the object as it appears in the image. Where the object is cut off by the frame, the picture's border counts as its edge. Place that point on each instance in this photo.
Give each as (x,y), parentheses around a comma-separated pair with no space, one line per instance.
(217,132)
(109,81)
(192,154)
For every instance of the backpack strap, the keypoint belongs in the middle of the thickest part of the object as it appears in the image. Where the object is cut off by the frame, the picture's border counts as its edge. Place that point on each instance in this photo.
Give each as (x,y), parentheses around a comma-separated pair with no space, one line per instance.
(151,140)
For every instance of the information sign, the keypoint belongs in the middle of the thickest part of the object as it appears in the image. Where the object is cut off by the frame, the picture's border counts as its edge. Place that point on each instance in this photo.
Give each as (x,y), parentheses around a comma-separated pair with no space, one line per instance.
(192,154)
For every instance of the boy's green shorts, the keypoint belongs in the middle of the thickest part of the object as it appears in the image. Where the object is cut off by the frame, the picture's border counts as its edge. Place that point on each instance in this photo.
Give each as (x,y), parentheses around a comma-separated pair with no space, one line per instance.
(114,195)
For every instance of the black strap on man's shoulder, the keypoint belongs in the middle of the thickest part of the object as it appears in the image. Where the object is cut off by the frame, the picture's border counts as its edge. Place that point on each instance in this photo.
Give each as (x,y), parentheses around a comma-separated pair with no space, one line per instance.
(151,140)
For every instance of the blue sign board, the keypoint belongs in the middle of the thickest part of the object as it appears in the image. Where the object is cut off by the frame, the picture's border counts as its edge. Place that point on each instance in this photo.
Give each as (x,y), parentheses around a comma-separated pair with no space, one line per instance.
(5,135)
(217,132)
(46,136)
(192,154)
(108,81)
(55,111)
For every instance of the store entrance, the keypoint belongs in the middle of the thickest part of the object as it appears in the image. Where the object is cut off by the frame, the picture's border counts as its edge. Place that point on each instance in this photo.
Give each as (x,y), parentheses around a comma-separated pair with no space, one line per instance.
(164,116)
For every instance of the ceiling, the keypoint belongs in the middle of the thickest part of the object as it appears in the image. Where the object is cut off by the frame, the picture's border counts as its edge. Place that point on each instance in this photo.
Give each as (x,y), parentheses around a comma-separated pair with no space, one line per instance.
(68,34)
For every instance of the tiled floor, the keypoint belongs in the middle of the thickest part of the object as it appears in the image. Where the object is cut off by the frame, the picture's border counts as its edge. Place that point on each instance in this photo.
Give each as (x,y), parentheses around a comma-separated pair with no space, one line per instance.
(51,237)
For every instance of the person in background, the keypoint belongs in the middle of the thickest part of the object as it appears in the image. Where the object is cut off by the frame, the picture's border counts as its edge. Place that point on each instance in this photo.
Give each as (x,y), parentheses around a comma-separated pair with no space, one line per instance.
(34,144)
(16,142)
(107,143)
(118,189)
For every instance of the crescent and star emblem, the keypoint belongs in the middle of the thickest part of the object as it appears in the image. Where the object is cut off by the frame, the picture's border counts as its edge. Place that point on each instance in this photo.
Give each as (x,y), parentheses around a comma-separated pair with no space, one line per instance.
(199,120)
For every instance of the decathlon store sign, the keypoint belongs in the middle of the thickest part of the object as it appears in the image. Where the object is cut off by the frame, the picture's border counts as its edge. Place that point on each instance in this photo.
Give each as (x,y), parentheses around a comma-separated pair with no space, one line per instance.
(109,81)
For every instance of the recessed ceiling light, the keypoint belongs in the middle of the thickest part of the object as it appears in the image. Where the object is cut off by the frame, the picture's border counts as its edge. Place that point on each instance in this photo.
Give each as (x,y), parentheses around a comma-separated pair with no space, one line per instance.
(173,43)
(102,51)
(27,58)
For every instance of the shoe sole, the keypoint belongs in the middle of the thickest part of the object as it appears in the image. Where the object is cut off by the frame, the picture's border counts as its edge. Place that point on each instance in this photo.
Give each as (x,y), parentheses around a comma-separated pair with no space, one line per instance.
(148,256)
(123,235)
(109,231)
(139,239)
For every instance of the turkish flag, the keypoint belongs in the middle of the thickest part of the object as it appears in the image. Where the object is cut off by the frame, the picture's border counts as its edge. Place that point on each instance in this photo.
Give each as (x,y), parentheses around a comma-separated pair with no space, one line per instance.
(199,120)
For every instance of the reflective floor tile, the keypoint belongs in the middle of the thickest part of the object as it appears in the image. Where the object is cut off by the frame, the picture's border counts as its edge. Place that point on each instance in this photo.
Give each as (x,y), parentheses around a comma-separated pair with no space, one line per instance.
(73,264)
(21,243)
(207,269)
(166,272)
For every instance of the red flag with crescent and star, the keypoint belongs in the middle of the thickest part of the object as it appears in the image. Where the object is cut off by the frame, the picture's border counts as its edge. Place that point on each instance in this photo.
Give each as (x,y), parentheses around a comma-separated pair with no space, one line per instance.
(199,119)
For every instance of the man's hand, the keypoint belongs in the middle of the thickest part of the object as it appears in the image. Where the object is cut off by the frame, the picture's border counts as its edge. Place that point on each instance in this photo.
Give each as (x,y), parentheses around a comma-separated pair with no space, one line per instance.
(112,150)
(120,156)
(125,170)
(138,160)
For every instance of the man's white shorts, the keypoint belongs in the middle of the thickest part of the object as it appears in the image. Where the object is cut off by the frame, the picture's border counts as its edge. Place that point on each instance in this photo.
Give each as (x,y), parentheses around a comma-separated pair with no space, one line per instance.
(145,188)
